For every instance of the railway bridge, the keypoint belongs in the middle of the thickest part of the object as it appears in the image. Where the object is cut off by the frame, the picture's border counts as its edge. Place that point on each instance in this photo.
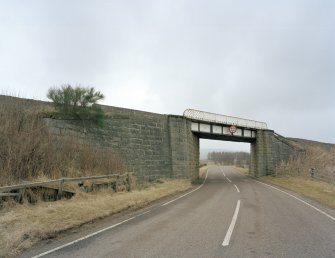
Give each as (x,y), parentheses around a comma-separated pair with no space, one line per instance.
(267,149)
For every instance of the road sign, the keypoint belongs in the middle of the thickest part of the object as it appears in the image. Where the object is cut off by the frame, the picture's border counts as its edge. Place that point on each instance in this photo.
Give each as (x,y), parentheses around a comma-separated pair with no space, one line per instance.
(232,129)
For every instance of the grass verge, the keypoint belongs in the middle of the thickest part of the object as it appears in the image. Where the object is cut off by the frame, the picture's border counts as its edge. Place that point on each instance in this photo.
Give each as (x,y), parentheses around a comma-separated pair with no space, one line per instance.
(204,165)
(203,172)
(22,226)
(319,191)
(243,171)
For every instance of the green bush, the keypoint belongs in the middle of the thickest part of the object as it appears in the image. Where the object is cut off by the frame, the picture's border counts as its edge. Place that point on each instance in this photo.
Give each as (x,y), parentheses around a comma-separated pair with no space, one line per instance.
(77,102)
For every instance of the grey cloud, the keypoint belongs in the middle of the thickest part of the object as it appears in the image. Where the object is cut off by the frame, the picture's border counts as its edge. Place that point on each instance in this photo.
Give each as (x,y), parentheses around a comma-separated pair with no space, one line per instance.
(264,60)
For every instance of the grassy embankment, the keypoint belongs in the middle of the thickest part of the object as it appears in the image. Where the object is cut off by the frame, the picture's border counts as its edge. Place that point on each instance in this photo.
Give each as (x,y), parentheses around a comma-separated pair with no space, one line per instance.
(317,190)
(314,189)
(295,175)
(28,151)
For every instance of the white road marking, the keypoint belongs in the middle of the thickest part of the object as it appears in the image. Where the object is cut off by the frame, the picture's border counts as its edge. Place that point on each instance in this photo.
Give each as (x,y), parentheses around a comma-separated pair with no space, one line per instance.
(223,173)
(228,180)
(85,237)
(310,205)
(141,214)
(113,226)
(232,225)
(238,190)
(164,204)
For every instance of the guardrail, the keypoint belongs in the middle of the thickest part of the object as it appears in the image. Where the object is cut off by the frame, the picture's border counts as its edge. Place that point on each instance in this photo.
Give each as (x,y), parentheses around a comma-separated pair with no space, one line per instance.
(222,119)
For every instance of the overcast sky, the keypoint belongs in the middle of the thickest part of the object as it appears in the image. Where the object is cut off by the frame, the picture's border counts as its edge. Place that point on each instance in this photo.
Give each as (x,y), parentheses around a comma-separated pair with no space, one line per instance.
(272,61)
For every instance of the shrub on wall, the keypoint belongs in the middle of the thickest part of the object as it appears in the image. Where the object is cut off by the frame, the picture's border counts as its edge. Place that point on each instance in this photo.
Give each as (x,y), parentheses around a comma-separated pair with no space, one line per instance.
(77,102)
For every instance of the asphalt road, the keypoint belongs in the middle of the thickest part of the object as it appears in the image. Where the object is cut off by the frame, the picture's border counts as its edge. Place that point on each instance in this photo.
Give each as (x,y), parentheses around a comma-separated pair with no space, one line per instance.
(230,215)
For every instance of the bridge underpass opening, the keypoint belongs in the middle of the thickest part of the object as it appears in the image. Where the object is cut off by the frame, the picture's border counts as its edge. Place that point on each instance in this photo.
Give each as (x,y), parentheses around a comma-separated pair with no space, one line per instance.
(210,126)
(224,152)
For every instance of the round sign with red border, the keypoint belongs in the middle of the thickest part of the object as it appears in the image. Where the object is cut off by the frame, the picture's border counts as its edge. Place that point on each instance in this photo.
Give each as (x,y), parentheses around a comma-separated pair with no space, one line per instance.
(232,129)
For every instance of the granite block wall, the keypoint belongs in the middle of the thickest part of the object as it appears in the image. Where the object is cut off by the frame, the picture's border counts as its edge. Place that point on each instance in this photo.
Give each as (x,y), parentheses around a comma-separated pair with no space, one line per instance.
(184,148)
(153,145)
(268,151)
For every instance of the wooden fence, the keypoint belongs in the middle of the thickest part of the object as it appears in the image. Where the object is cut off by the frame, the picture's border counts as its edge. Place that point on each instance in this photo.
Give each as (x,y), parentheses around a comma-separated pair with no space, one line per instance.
(5,191)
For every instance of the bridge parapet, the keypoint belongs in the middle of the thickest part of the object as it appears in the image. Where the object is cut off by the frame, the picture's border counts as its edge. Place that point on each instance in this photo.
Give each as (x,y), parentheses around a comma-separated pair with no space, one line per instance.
(197,115)
(221,127)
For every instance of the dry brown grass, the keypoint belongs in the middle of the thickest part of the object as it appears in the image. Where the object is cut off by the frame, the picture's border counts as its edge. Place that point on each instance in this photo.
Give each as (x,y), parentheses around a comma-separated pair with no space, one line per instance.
(319,156)
(76,159)
(295,174)
(243,170)
(28,151)
(319,191)
(22,226)
(23,140)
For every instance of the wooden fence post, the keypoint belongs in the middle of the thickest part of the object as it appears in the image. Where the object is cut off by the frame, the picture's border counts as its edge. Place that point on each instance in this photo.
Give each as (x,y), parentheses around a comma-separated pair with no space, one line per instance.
(60,189)
(21,194)
(129,182)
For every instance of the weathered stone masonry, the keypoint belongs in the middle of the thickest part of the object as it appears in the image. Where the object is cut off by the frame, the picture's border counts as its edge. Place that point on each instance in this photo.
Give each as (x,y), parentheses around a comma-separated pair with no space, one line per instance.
(268,151)
(184,148)
(155,145)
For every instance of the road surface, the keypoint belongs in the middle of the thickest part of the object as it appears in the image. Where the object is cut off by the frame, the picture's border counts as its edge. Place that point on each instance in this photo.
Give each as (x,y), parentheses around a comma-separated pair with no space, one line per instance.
(230,215)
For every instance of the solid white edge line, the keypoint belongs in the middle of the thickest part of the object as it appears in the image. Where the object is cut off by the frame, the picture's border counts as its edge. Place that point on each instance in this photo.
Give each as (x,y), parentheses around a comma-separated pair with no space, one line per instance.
(113,226)
(232,225)
(228,180)
(310,205)
(85,237)
(238,190)
(164,204)
(141,214)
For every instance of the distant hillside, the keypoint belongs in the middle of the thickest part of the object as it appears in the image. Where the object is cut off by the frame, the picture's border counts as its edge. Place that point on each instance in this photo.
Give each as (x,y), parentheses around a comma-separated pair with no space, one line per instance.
(309,144)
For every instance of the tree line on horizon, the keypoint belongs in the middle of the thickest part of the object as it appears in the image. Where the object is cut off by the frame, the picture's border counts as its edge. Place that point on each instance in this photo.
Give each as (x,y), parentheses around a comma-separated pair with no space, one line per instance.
(230,158)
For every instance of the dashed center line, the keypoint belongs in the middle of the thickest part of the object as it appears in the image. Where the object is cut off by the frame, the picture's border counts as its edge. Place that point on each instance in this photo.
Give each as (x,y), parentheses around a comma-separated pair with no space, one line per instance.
(238,190)
(223,173)
(228,180)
